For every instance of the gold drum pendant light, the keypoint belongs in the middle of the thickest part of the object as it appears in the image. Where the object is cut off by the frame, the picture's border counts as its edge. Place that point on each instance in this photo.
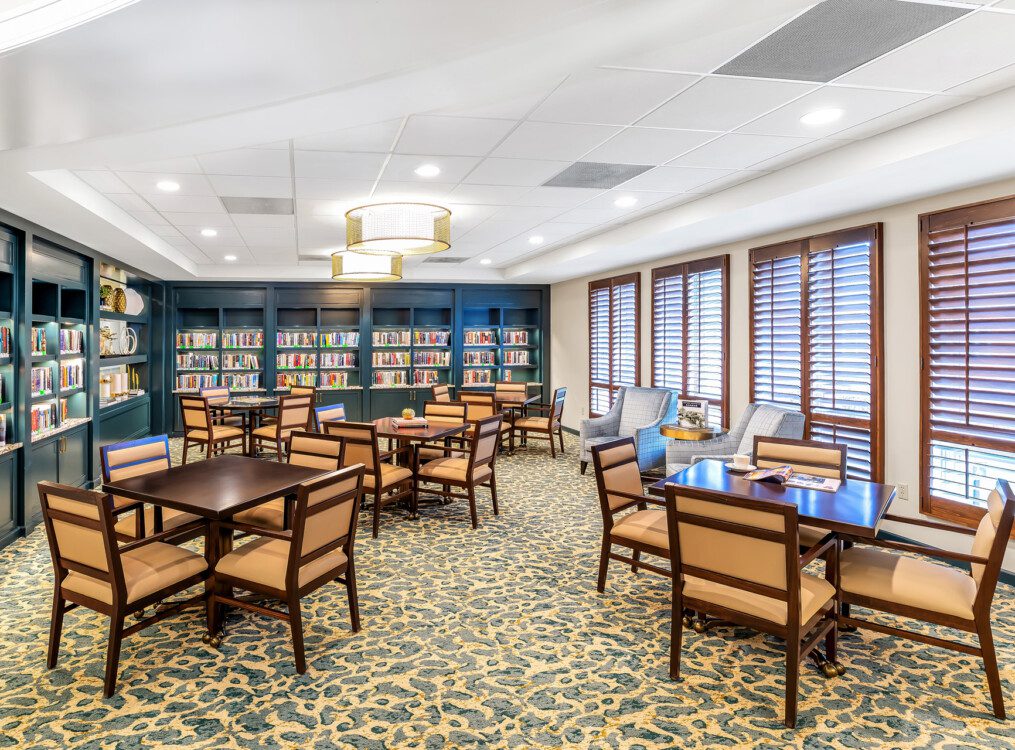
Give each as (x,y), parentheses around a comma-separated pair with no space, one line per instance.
(347,265)
(398,228)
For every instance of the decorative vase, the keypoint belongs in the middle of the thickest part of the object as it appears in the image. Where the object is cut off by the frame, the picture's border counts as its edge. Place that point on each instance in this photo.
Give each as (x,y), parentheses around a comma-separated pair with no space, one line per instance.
(408,414)
(119,300)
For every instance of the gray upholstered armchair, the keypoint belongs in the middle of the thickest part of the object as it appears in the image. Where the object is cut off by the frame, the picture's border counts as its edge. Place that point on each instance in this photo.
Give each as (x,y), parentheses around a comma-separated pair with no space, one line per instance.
(636,413)
(758,419)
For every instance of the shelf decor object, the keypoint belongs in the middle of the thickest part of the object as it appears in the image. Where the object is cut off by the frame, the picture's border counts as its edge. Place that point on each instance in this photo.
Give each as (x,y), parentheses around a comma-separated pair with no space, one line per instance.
(347,265)
(398,229)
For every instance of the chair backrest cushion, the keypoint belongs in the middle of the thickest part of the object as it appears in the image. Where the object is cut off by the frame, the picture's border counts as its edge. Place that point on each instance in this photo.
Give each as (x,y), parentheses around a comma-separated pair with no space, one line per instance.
(217,394)
(302,390)
(315,451)
(441,393)
(766,421)
(450,412)
(506,386)
(330,413)
(642,406)
(983,541)
(481,405)
(135,458)
(195,413)
(294,411)
(617,463)
(331,524)
(485,439)
(804,456)
(360,442)
(76,542)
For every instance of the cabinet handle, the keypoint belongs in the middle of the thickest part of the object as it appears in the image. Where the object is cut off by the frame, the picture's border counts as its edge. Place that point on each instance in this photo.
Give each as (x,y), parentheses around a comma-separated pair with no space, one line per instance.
(62,443)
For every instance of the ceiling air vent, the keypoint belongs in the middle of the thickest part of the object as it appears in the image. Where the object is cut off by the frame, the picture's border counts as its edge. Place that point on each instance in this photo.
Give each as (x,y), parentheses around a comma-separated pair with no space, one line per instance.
(277,206)
(444,259)
(595,174)
(836,36)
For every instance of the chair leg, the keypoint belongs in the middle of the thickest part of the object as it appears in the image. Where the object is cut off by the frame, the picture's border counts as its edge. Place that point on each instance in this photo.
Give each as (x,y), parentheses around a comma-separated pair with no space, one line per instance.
(553,448)
(792,677)
(472,506)
(278,447)
(676,641)
(55,628)
(604,562)
(350,586)
(635,556)
(584,466)
(209,449)
(493,493)
(560,434)
(296,624)
(990,667)
(186,447)
(113,654)
(377,512)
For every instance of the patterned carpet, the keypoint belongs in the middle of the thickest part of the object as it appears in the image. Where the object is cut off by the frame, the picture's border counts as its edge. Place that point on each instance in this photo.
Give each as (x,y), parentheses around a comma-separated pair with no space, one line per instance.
(494,638)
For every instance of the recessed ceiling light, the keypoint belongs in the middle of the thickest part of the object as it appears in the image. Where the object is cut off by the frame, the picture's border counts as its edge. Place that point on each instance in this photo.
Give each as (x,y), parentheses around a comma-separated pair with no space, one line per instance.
(209,233)
(428,170)
(168,186)
(625,201)
(535,240)
(229,258)
(485,262)
(822,116)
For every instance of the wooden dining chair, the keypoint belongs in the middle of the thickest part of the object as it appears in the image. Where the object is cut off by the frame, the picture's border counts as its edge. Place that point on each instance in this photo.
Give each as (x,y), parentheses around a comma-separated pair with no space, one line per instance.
(288,565)
(310,449)
(915,588)
(329,413)
(618,480)
(547,427)
(218,395)
(806,457)
(199,429)
(447,413)
(91,570)
(482,406)
(441,393)
(386,482)
(738,561)
(468,472)
(303,390)
(294,413)
(132,459)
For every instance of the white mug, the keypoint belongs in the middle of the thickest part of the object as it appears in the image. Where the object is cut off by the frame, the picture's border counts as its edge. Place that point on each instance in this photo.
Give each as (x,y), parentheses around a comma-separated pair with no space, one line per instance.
(741,460)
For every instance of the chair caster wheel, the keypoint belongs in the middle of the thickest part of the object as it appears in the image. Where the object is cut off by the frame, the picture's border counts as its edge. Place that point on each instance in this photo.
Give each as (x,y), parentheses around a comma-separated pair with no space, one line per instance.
(139,615)
(687,621)
(215,642)
(829,670)
(700,626)
(206,638)
(840,669)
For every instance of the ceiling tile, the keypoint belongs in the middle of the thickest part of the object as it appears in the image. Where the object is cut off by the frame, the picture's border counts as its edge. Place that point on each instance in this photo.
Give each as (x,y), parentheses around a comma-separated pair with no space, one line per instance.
(338,166)
(547,140)
(169,167)
(800,153)
(493,231)
(858,105)
(130,202)
(513,106)
(263,237)
(186,203)
(488,194)
(252,187)
(987,84)
(336,190)
(904,115)
(724,103)
(429,192)
(378,138)
(145,183)
(595,216)
(453,168)
(529,172)
(728,181)
(313,207)
(736,151)
(256,162)
(644,199)
(104,181)
(167,232)
(252,221)
(560,197)
(199,219)
(462,136)
(527,215)
(275,145)
(674,179)
(648,145)
(610,96)
(976,44)
(224,237)
(150,218)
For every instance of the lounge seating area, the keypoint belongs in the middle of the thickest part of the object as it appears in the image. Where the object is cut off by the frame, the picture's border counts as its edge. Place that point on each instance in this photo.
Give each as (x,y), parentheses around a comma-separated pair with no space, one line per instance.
(576,374)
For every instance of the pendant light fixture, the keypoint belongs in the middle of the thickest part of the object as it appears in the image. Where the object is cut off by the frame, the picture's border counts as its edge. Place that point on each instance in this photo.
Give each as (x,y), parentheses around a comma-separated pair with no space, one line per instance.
(398,228)
(348,265)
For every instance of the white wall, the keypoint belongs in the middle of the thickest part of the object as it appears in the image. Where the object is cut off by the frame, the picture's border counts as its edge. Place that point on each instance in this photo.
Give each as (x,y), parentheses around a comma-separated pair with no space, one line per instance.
(570,346)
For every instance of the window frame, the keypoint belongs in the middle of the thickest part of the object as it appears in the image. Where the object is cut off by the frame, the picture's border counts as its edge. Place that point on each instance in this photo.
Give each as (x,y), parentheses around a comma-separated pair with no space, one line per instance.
(801,247)
(721,262)
(611,283)
(965,514)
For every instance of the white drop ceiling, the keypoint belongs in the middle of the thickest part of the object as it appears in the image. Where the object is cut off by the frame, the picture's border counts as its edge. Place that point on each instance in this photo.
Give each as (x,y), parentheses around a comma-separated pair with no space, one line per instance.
(659,105)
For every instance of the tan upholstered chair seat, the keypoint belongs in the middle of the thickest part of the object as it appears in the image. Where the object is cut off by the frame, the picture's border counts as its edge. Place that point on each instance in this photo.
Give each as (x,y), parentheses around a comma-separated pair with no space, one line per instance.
(271,430)
(815,593)
(643,527)
(908,581)
(536,423)
(390,475)
(171,519)
(454,469)
(147,569)
(429,454)
(219,432)
(269,515)
(504,427)
(811,535)
(265,561)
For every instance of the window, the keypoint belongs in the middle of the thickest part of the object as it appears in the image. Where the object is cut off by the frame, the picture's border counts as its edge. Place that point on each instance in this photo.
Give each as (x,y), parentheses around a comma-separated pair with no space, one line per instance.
(690,338)
(613,338)
(816,338)
(967,394)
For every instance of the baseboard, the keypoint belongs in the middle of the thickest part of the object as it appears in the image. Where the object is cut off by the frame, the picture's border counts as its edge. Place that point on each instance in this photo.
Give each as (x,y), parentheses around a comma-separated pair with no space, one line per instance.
(1004,577)
(569,430)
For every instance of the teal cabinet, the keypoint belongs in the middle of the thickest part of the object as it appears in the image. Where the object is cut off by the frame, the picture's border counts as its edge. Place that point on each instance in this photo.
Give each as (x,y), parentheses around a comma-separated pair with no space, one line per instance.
(8,497)
(62,458)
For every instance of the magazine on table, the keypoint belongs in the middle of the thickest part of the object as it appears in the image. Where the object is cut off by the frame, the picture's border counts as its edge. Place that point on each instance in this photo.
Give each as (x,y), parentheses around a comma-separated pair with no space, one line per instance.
(399,422)
(785,476)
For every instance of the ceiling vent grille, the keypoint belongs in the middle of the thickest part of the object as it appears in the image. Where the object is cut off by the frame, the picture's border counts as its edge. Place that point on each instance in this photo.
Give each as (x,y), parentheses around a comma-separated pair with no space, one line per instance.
(275,206)
(836,36)
(444,259)
(596,175)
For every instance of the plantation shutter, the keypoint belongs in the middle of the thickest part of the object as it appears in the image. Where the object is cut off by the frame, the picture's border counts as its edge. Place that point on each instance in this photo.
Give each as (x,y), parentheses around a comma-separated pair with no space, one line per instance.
(613,339)
(816,339)
(968,367)
(689,332)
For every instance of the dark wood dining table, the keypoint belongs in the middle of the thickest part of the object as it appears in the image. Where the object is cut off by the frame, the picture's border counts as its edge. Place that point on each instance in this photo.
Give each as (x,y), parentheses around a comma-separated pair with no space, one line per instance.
(216,489)
(855,508)
(248,405)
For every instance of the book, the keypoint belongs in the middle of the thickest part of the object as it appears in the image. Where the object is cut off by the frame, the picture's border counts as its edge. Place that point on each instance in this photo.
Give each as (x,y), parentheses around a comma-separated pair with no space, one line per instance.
(692,413)
(399,423)
(785,476)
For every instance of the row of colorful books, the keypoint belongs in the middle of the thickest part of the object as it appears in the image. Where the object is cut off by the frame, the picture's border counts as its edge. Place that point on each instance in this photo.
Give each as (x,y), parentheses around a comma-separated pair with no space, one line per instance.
(242,339)
(39,341)
(479,358)
(241,362)
(391,338)
(197,362)
(293,339)
(480,338)
(42,381)
(516,357)
(72,341)
(72,375)
(431,359)
(431,338)
(197,340)
(301,361)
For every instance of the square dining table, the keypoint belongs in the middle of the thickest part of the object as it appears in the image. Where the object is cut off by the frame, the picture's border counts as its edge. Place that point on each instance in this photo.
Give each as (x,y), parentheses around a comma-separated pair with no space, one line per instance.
(855,508)
(215,489)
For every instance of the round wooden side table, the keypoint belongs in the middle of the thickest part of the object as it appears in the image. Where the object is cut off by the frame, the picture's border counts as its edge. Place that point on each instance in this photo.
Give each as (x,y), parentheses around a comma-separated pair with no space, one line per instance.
(676,432)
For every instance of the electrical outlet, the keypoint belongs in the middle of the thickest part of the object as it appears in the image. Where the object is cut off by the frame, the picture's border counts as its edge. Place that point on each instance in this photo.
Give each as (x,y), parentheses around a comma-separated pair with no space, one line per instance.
(902,492)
